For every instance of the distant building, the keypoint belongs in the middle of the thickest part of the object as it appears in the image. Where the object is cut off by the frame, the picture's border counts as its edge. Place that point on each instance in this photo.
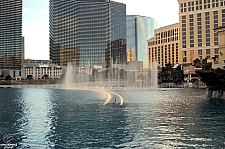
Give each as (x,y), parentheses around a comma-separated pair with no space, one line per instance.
(39,68)
(197,19)
(92,31)
(23,48)
(119,51)
(11,34)
(130,66)
(130,55)
(164,47)
(221,48)
(139,30)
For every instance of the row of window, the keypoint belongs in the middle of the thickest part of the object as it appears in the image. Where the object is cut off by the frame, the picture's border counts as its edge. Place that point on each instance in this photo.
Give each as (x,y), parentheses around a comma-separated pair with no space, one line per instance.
(191,7)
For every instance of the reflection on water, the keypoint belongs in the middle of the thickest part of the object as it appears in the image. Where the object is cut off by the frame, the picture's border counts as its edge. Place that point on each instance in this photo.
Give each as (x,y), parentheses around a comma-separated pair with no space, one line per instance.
(54,118)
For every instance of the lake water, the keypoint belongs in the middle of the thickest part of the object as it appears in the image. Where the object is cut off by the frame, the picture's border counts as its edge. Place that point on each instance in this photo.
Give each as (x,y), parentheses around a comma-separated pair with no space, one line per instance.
(39,118)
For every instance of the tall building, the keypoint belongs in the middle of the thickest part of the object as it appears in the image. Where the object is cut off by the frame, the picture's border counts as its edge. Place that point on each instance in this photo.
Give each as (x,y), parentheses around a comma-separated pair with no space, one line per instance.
(164,47)
(94,29)
(10,34)
(139,30)
(197,20)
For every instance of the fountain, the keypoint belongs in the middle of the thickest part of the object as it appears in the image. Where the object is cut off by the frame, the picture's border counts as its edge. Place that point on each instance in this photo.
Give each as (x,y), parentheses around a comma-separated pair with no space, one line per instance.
(110,78)
(154,75)
(68,80)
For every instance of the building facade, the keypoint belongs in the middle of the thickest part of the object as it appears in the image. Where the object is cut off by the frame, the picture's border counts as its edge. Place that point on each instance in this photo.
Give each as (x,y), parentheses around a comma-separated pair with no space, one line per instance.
(38,68)
(221,46)
(164,47)
(91,28)
(197,20)
(139,30)
(11,34)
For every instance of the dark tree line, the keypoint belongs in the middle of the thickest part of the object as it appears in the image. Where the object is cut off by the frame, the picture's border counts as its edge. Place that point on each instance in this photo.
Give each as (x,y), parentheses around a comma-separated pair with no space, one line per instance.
(171,74)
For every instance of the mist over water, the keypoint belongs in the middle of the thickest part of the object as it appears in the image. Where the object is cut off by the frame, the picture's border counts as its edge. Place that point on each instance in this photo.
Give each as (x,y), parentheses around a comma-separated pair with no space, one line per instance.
(154,75)
(58,118)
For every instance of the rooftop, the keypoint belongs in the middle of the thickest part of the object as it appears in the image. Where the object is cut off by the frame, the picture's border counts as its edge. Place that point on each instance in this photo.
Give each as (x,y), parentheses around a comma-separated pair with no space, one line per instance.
(167,26)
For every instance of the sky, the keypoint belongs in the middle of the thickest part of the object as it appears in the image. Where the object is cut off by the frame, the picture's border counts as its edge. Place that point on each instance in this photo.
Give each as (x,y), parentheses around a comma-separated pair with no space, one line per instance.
(36,29)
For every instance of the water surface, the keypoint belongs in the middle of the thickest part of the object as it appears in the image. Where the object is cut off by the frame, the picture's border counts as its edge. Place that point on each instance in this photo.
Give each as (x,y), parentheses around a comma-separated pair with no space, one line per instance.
(165,118)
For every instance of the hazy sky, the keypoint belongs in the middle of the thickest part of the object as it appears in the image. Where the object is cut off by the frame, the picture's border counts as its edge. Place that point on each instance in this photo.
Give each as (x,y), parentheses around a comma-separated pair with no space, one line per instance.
(35,21)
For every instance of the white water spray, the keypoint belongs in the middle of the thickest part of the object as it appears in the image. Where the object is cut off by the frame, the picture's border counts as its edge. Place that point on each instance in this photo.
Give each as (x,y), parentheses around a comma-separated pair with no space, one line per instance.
(154,75)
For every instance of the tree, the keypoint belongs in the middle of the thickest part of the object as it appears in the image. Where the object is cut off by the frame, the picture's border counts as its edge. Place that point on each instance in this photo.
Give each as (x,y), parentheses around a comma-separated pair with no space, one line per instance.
(197,63)
(45,76)
(30,77)
(8,77)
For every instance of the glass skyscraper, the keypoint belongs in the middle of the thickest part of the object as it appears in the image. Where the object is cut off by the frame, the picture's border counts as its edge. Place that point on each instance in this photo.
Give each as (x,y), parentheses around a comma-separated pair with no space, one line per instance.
(10,34)
(139,30)
(84,32)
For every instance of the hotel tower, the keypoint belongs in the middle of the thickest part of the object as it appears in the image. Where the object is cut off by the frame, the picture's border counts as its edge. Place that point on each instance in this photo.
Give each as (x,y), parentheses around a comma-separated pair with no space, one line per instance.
(87,32)
(10,34)
(197,20)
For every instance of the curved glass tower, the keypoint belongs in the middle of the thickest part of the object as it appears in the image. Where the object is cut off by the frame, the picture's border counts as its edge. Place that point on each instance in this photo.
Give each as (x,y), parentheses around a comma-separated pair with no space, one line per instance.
(82,31)
(139,30)
(10,34)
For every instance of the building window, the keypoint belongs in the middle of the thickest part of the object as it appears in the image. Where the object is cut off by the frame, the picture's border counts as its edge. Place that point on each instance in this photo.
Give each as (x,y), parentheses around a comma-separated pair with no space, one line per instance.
(216,51)
(208,51)
(199,52)
(208,5)
(207,26)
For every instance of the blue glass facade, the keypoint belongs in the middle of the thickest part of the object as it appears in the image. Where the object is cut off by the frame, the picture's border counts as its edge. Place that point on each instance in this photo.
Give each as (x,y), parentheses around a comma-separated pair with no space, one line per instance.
(85,29)
(139,30)
(10,34)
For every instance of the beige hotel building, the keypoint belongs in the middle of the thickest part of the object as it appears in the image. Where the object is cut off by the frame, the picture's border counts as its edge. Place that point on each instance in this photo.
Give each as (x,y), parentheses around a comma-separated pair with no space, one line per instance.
(164,47)
(197,19)
(197,37)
